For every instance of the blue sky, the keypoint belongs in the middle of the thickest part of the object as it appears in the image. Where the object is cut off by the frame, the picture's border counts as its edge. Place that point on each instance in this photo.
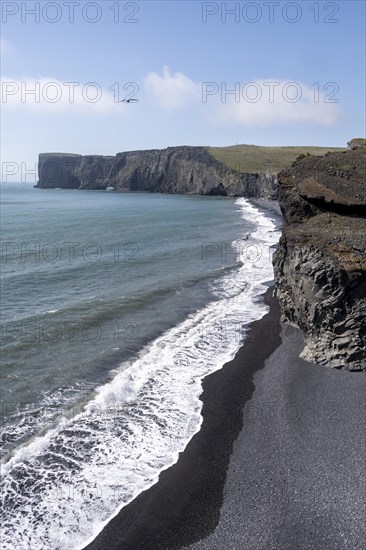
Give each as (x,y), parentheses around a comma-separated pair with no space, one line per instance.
(182,58)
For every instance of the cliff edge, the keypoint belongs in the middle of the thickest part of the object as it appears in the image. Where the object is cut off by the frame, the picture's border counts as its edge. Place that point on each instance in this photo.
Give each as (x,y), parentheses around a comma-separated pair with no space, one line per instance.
(320,262)
(185,170)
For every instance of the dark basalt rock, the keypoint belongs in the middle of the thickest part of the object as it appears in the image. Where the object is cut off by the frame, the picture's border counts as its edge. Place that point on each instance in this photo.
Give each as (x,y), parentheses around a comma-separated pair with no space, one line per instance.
(186,170)
(320,263)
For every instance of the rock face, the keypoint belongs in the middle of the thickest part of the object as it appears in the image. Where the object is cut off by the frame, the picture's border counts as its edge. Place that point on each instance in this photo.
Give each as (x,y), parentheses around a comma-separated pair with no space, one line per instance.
(320,263)
(187,170)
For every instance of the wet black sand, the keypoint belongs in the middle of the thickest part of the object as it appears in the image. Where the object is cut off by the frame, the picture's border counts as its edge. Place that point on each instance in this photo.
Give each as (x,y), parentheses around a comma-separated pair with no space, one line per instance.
(297,477)
(277,465)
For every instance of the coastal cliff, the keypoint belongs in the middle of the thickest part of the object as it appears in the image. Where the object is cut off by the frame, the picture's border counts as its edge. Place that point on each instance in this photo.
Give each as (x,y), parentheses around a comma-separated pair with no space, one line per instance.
(186,170)
(320,263)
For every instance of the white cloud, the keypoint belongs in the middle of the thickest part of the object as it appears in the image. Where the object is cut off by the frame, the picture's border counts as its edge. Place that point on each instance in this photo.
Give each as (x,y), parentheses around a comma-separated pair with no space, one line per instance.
(50,95)
(172,91)
(258,104)
(263,103)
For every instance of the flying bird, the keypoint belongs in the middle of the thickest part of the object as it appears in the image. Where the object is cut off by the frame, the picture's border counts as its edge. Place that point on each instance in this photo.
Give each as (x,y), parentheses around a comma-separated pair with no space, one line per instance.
(129,100)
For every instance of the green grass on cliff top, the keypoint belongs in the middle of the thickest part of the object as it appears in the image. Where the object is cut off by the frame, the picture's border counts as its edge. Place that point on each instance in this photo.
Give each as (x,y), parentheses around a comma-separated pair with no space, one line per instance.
(254,158)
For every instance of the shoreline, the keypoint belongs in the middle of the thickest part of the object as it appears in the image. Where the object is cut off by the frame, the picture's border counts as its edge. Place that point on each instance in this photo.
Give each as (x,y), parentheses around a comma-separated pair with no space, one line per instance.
(278,462)
(296,478)
(184,505)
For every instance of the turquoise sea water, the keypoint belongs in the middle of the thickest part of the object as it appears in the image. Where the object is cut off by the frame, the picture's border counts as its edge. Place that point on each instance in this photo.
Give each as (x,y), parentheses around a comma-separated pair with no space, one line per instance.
(114,307)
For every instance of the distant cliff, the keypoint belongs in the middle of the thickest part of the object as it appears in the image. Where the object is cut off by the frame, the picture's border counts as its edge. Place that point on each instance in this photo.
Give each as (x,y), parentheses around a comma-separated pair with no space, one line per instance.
(320,264)
(186,170)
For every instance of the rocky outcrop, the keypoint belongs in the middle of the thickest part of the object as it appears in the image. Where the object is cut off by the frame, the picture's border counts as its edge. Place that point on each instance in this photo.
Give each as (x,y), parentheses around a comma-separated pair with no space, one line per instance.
(320,263)
(187,170)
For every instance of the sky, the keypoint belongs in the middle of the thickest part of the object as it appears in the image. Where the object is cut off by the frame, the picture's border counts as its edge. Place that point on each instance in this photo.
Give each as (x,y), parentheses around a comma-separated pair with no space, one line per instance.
(204,73)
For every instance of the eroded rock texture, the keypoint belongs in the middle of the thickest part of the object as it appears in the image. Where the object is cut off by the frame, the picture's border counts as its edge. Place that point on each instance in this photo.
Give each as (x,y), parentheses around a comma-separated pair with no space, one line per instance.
(187,170)
(320,263)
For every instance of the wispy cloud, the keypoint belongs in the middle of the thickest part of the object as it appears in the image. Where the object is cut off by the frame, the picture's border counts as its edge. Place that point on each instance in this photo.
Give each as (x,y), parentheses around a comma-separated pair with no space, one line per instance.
(171,91)
(260,103)
(50,95)
(263,104)
(257,104)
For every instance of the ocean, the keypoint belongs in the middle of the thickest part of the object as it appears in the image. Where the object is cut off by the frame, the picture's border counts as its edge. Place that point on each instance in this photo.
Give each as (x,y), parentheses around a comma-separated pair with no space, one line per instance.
(115,306)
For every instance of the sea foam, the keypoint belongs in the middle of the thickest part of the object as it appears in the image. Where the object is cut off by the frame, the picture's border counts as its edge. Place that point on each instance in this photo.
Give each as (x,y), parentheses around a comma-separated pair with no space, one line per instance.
(61,489)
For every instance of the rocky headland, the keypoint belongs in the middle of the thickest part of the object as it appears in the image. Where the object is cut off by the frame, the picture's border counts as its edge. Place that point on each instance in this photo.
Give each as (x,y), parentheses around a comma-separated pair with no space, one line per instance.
(320,263)
(185,170)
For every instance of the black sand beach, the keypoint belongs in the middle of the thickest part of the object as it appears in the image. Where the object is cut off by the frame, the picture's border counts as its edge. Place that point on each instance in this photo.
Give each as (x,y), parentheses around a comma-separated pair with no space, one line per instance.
(277,464)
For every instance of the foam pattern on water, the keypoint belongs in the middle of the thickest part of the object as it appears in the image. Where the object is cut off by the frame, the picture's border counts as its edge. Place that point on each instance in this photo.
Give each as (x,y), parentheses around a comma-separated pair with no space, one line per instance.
(62,488)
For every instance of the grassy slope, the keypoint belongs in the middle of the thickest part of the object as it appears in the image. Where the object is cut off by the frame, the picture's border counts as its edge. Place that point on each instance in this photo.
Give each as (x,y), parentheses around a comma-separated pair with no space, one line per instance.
(253,158)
